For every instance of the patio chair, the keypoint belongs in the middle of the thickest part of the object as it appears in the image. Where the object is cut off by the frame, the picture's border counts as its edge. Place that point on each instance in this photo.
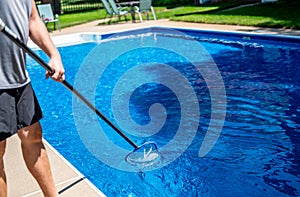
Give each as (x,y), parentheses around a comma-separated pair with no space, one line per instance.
(46,13)
(113,9)
(108,9)
(145,7)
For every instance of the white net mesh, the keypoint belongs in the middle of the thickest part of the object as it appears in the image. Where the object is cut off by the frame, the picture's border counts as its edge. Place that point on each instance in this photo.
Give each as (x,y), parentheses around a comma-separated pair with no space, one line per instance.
(144,156)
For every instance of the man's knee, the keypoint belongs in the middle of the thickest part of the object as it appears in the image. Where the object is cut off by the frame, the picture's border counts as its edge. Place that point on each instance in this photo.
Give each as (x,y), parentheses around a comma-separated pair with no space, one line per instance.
(31,134)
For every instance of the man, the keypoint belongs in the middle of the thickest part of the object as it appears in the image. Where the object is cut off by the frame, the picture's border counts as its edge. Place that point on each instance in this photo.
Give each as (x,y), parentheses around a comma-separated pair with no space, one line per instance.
(19,110)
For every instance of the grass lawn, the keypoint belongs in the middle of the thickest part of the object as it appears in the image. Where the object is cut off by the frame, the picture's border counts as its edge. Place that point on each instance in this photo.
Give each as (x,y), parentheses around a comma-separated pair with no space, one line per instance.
(71,19)
(263,15)
(82,17)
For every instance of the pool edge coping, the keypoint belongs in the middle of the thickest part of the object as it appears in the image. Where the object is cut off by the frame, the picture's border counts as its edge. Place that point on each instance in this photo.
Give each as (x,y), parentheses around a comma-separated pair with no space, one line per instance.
(81,37)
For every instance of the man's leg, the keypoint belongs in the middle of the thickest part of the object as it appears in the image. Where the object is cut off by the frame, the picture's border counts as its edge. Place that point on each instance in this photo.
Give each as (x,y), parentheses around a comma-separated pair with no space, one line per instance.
(3,187)
(36,158)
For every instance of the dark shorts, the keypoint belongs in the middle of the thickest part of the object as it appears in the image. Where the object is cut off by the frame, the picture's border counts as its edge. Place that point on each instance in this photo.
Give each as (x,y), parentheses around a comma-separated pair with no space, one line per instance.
(18,108)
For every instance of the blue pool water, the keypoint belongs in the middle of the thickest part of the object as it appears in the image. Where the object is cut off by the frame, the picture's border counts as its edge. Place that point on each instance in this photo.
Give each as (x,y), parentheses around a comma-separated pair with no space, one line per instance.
(258,150)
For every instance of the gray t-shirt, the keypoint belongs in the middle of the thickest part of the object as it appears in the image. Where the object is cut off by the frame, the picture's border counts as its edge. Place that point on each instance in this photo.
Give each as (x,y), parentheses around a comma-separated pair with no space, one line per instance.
(15,14)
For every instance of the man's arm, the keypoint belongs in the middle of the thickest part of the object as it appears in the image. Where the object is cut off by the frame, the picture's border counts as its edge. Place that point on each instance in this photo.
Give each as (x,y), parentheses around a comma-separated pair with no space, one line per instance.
(40,36)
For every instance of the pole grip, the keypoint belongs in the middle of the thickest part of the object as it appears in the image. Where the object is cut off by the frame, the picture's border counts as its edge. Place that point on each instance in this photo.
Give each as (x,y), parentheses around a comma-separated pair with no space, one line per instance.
(2,24)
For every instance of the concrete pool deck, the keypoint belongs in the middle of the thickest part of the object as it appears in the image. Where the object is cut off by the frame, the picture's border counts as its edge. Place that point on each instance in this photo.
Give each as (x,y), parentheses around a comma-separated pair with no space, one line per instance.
(69,182)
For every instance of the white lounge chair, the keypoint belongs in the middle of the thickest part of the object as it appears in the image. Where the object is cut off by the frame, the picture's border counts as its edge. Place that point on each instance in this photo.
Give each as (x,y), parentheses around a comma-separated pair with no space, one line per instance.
(46,13)
(145,7)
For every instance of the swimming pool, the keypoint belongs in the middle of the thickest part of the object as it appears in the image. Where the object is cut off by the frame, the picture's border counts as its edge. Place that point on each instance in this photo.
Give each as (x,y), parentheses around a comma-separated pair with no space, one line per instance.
(257,151)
